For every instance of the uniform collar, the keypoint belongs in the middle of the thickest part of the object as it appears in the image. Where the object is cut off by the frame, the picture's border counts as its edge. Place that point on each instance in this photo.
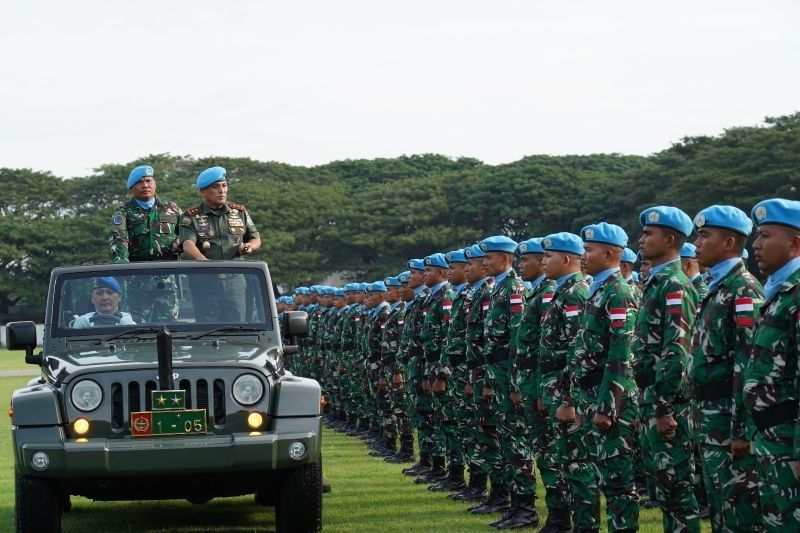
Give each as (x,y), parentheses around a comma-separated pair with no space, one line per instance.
(221,209)
(499,279)
(459,288)
(377,309)
(599,278)
(146,205)
(720,270)
(779,277)
(536,283)
(436,288)
(658,268)
(419,290)
(563,279)
(396,304)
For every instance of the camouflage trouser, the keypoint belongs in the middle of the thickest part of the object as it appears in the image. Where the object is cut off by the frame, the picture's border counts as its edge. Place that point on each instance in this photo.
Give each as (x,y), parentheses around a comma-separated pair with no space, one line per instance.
(487,449)
(732,487)
(446,406)
(543,445)
(470,428)
(611,453)
(399,423)
(357,391)
(580,478)
(674,466)
(779,489)
(152,299)
(646,454)
(424,417)
(516,448)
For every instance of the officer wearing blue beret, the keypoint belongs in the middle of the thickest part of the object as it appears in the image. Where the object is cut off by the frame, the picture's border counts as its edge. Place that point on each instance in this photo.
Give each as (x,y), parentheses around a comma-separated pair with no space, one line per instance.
(626,267)
(217,228)
(105,295)
(691,267)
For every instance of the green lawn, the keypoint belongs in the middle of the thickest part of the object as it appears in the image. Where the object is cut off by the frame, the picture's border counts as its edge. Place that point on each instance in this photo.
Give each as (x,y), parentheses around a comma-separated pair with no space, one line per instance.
(368,495)
(14,360)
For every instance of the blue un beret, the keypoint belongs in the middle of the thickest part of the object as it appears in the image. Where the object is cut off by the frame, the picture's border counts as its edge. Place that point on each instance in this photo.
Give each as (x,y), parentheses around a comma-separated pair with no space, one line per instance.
(363,286)
(391,282)
(298,290)
(138,173)
(377,286)
(531,246)
(688,251)
(605,233)
(338,292)
(777,211)
(499,243)
(328,291)
(351,287)
(635,276)
(436,260)
(628,256)
(107,283)
(402,277)
(210,176)
(473,252)
(563,242)
(456,256)
(416,264)
(668,217)
(725,217)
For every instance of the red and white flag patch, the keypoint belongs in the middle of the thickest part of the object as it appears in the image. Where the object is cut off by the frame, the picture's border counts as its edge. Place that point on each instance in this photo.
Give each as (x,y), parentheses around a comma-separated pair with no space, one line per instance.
(571,311)
(485,305)
(547,297)
(674,300)
(744,305)
(516,303)
(617,315)
(447,304)
(401,321)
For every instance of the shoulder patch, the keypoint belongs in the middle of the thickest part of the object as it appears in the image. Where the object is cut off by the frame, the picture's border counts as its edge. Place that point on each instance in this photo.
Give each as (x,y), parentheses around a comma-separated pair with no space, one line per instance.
(236,205)
(196,210)
(117,219)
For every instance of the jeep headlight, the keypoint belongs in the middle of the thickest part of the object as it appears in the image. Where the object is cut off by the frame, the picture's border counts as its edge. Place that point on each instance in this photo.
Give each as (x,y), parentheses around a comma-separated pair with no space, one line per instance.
(247,389)
(86,395)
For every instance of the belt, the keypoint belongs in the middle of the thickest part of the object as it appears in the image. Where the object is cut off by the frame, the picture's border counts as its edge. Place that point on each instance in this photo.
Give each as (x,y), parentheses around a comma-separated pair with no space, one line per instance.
(776,415)
(552,366)
(712,391)
(591,378)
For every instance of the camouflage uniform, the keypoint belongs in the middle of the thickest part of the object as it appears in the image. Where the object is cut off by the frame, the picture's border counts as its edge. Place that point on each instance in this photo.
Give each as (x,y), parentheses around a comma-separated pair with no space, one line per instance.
(405,394)
(140,234)
(700,286)
(560,327)
(660,346)
(601,377)
(347,346)
(390,346)
(721,340)
(771,393)
(375,401)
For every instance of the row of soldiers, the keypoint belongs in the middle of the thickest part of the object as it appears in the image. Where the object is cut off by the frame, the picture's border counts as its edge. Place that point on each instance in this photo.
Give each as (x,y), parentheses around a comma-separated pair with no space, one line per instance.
(568,364)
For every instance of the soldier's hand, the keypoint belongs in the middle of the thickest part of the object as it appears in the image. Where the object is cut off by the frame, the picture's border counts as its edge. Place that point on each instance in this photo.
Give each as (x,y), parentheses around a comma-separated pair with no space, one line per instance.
(382,384)
(740,448)
(601,422)
(468,392)
(666,427)
(541,407)
(439,386)
(397,380)
(245,249)
(516,398)
(426,386)
(486,394)
(565,414)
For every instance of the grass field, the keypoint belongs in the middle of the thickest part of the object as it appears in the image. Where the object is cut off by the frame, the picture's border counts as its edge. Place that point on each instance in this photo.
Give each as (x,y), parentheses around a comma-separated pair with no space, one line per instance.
(368,495)
(14,361)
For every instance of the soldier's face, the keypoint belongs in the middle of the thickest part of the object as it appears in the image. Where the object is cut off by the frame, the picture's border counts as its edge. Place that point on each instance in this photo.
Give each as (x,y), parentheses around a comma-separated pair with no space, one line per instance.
(496,263)
(713,245)
(393,294)
(216,194)
(775,246)
(596,258)
(626,269)
(105,300)
(555,264)
(654,243)
(433,276)
(145,189)
(416,278)
(530,266)
(406,292)
(456,273)
(475,270)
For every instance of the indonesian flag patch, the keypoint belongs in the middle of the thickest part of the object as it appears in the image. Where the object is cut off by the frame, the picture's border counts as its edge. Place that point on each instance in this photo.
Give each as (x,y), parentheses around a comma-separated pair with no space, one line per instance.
(743,305)
(516,303)
(447,305)
(617,316)
(358,319)
(547,297)
(401,321)
(571,311)
(485,305)
(674,300)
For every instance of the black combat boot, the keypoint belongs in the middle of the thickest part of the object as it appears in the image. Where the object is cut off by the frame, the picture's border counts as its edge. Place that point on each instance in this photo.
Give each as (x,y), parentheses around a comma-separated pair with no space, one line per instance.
(497,501)
(558,521)
(453,482)
(523,513)
(475,491)
(423,466)
(406,453)
(438,472)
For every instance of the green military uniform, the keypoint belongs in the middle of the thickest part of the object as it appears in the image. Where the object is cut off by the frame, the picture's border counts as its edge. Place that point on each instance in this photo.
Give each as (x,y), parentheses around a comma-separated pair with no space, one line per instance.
(408,369)
(721,340)
(660,345)
(700,286)
(602,383)
(347,345)
(390,346)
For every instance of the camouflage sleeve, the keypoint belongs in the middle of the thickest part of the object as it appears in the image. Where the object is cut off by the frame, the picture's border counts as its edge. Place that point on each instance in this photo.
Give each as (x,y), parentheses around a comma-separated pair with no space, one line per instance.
(567,390)
(118,239)
(250,230)
(186,230)
(436,341)
(747,308)
(621,316)
(677,307)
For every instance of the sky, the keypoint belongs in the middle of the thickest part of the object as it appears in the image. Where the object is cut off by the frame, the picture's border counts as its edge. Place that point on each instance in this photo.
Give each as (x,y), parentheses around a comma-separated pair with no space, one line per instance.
(85,83)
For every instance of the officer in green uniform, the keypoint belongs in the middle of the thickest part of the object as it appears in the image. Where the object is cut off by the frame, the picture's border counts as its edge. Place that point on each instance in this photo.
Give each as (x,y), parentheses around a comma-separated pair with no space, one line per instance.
(721,340)
(145,229)
(771,390)
(691,268)
(390,344)
(218,229)
(626,268)
(661,350)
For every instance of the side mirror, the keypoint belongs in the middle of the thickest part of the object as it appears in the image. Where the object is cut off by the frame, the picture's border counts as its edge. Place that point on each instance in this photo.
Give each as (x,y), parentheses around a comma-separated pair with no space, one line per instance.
(296,323)
(22,336)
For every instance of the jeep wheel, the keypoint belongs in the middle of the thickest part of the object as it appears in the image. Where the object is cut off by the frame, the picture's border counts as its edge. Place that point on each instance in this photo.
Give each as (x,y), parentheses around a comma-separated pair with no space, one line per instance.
(38,504)
(298,502)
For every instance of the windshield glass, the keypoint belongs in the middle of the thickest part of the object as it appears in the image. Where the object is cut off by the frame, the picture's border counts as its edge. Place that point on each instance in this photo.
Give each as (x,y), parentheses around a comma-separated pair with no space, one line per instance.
(196,300)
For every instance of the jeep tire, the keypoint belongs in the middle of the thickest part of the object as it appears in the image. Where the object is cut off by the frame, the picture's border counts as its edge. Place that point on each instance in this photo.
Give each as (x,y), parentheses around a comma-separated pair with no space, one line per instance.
(38,505)
(298,502)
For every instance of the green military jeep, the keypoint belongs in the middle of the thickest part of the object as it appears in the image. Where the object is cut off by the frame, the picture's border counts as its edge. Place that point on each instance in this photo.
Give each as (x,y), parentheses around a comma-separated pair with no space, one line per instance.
(164,381)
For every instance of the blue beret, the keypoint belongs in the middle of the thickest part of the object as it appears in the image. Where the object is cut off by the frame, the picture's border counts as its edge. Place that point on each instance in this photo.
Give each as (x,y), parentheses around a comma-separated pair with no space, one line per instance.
(628,256)
(138,173)
(402,277)
(636,277)
(107,283)
(499,243)
(314,289)
(725,217)
(640,255)
(338,292)
(777,211)
(416,264)
(210,176)
(745,254)
(688,251)
(377,286)
(391,282)
(668,217)
(363,286)
(290,300)
(563,242)
(351,287)
(456,256)
(605,233)
(473,252)
(328,291)
(531,246)
(436,260)
(305,291)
